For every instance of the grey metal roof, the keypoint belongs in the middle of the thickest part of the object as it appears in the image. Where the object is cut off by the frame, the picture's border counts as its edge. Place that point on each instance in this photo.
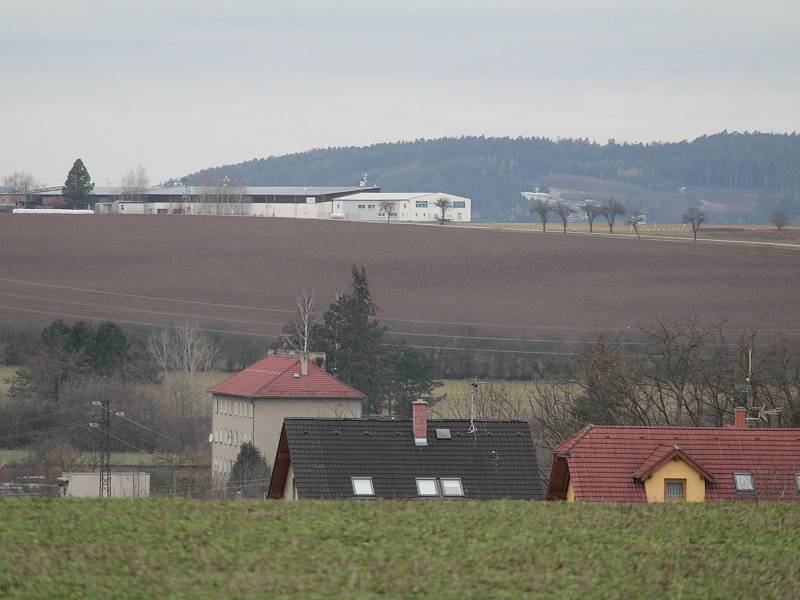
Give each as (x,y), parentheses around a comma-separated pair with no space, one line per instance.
(498,461)
(248,190)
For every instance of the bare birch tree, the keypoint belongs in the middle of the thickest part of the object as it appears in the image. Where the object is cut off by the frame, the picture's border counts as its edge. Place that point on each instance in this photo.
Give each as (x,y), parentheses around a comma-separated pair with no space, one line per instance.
(297,333)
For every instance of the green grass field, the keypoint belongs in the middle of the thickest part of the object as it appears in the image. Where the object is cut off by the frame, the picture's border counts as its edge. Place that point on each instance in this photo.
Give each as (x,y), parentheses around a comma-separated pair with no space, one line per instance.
(173,548)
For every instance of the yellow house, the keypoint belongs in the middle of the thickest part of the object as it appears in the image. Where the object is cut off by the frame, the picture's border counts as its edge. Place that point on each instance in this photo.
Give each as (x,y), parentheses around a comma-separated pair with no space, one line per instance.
(676,464)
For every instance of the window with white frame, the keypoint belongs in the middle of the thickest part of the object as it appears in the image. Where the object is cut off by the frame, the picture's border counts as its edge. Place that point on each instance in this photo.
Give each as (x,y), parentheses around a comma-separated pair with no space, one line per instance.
(744,482)
(451,486)
(362,486)
(797,481)
(427,486)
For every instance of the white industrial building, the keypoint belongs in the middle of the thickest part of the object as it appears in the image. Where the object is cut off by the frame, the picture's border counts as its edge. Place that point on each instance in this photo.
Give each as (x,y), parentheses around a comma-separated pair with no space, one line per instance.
(420,207)
(355,203)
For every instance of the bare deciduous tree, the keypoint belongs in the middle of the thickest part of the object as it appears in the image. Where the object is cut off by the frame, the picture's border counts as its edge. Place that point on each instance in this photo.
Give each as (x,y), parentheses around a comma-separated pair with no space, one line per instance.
(19,182)
(387,207)
(442,204)
(564,210)
(134,184)
(779,218)
(542,208)
(637,218)
(193,350)
(694,216)
(611,209)
(297,333)
(184,348)
(159,348)
(592,211)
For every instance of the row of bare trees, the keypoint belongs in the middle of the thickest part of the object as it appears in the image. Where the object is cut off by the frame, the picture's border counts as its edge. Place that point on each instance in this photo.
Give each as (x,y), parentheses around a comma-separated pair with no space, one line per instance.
(611,209)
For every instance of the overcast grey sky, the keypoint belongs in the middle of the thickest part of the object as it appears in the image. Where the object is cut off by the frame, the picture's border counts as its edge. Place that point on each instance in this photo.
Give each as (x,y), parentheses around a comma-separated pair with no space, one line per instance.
(181,85)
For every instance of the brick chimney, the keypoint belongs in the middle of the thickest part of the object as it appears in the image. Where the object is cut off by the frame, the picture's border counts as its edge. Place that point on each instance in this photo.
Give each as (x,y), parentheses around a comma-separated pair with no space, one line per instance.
(740,417)
(420,422)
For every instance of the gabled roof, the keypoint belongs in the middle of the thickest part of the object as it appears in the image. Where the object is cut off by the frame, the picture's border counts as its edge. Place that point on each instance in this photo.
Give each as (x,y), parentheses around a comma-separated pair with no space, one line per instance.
(498,461)
(275,377)
(663,454)
(609,463)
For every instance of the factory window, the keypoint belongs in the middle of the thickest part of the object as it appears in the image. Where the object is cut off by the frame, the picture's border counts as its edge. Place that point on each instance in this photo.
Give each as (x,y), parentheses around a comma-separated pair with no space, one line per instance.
(422,204)
(370,206)
(362,206)
(459,204)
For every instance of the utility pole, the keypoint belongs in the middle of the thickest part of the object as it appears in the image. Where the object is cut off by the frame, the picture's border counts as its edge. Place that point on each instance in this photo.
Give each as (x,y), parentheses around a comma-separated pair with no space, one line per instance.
(104,454)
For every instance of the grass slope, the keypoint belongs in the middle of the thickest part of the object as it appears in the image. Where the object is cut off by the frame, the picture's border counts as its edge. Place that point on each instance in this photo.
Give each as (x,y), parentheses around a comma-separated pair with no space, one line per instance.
(191,549)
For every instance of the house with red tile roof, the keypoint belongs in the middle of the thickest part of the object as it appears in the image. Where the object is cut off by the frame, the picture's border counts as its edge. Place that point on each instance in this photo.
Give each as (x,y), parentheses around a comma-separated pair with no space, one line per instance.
(604,463)
(250,406)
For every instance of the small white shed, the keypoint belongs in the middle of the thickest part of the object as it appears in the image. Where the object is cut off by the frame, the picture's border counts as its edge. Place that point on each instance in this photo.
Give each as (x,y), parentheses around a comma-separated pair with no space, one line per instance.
(133,484)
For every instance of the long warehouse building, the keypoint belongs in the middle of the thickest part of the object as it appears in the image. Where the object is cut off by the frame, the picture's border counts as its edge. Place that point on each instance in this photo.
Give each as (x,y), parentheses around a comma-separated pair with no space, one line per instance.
(339,203)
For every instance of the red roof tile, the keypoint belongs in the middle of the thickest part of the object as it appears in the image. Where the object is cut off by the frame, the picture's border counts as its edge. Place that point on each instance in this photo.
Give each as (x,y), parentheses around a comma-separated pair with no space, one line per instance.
(604,461)
(274,377)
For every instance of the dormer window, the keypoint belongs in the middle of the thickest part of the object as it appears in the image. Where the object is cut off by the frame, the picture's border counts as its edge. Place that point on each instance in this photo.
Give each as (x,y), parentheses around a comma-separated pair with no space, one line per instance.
(744,482)
(362,486)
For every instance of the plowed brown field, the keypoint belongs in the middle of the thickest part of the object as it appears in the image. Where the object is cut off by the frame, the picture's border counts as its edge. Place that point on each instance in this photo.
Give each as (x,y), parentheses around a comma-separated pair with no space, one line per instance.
(242,275)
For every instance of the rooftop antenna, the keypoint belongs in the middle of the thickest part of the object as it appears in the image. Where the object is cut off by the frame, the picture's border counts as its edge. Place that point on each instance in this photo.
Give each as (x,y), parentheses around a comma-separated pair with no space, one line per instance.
(473,389)
(749,377)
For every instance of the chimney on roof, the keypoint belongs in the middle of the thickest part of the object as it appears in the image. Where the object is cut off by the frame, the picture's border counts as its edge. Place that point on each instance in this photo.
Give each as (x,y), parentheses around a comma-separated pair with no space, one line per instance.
(420,422)
(740,417)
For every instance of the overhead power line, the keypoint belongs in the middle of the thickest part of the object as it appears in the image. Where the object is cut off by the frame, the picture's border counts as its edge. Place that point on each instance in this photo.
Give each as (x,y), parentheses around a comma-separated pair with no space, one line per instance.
(50,414)
(140,310)
(288,311)
(145,427)
(54,429)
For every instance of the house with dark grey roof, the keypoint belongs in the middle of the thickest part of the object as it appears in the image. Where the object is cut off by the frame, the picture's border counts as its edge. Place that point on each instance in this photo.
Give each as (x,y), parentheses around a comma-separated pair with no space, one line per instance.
(333,458)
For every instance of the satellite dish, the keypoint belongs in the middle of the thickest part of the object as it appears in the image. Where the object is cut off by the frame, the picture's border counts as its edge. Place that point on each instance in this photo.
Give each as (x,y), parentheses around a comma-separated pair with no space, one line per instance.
(210,438)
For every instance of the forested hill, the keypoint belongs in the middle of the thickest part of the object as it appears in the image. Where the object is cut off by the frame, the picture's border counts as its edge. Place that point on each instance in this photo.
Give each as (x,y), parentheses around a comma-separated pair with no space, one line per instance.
(738,177)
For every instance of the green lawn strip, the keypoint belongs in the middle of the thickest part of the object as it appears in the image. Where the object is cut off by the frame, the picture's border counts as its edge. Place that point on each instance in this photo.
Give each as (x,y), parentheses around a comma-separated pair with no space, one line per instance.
(181,548)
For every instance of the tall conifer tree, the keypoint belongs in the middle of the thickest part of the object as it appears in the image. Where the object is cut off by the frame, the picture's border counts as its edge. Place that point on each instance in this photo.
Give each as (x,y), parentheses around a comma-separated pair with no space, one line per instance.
(78,186)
